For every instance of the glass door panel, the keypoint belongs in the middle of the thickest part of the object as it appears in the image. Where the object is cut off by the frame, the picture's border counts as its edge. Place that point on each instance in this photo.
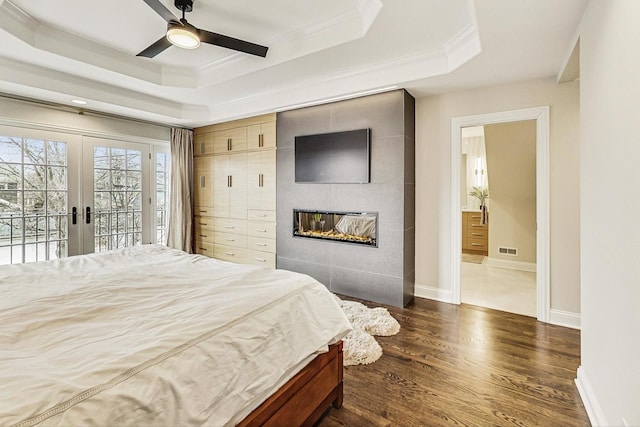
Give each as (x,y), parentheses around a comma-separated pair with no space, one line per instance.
(36,194)
(116,188)
(162,173)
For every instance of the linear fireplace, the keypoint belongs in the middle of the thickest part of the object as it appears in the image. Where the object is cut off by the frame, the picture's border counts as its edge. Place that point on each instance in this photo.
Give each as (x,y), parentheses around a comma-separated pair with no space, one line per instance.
(348,227)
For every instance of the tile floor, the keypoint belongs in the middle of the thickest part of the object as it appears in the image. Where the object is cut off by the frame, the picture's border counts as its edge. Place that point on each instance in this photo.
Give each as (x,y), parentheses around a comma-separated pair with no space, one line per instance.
(498,288)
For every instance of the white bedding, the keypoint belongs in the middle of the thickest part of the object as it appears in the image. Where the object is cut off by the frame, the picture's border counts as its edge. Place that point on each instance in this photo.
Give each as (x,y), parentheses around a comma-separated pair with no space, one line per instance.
(153,336)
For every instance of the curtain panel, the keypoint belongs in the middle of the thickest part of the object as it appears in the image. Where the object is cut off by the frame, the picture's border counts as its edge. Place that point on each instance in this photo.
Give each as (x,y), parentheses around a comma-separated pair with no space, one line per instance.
(179,232)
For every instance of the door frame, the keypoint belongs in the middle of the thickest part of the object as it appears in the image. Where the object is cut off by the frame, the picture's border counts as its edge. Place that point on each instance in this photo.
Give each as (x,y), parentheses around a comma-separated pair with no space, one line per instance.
(541,116)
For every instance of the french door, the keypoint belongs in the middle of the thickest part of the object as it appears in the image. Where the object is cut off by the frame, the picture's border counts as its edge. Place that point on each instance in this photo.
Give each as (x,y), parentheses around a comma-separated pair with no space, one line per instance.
(64,194)
(116,194)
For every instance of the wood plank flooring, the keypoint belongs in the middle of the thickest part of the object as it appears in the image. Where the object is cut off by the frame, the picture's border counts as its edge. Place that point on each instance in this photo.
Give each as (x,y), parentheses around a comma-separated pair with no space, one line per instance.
(465,366)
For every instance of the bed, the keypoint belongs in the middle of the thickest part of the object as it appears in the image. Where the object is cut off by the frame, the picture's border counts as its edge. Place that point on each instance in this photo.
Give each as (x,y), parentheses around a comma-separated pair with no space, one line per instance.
(153,336)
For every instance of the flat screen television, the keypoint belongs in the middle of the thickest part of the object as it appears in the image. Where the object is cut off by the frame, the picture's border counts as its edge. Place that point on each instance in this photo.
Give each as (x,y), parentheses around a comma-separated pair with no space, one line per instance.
(333,158)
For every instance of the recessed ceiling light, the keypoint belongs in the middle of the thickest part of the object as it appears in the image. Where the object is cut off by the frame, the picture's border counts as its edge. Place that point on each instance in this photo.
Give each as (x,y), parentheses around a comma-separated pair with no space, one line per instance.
(79,101)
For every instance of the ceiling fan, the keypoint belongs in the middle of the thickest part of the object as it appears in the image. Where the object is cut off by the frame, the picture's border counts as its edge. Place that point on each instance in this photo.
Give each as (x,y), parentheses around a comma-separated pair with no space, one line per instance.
(182,34)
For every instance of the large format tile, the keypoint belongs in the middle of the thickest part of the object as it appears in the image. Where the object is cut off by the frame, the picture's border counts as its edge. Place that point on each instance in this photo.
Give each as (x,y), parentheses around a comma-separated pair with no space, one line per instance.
(498,288)
(372,287)
(320,272)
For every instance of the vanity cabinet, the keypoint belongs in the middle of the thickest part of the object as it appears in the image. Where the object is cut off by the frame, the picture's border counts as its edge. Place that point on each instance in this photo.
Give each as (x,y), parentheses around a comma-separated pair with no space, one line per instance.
(475,236)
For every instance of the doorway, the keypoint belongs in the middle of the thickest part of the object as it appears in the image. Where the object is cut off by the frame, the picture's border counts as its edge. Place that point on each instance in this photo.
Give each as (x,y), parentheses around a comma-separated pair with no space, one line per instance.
(498,216)
(541,117)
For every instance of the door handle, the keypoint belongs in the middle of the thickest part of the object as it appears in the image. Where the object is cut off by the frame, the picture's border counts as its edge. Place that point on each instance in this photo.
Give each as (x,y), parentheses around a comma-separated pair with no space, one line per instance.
(74,215)
(88,211)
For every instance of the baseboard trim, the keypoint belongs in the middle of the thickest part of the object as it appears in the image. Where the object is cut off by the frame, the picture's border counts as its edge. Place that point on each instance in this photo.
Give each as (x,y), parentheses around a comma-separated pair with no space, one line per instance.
(430,292)
(564,318)
(589,400)
(511,265)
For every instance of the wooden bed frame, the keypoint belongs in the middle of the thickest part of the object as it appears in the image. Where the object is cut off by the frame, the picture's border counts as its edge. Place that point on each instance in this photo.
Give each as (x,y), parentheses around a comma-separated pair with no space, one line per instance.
(306,396)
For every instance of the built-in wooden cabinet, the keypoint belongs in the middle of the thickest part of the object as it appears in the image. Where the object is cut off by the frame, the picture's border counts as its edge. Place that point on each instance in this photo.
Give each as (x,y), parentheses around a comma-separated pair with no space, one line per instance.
(230,185)
(203,182)
(475,235)
(203,144)
(230,140)
(261,136)
(235,191)
(261,174)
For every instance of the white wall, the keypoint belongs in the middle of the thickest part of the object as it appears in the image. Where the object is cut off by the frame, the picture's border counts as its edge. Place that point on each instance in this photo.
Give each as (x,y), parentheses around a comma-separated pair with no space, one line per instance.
(511,162)
(609,377)
(433,180)
(14,111)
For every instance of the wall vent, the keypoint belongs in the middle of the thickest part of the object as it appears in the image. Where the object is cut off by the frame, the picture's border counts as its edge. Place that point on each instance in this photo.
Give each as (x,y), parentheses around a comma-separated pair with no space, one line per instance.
(508,251)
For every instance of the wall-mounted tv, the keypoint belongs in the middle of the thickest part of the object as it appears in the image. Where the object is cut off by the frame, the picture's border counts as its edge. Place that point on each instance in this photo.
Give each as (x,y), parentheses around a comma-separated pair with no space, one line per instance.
(333,158)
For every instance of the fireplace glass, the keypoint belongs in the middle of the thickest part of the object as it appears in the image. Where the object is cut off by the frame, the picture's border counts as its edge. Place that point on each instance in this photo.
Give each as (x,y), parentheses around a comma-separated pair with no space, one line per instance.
(349,227)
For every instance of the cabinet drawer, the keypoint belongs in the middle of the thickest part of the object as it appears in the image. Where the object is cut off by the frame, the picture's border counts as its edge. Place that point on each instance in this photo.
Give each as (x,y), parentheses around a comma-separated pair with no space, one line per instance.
(204,222)
(266,230)
(478,233)
(203,248)
(230,225)
(261,258)
(229,253)
(229,239)
(473,216)
(477,244)
(261,244)
(202,211)
(475,226)
(203,234)
(260,215)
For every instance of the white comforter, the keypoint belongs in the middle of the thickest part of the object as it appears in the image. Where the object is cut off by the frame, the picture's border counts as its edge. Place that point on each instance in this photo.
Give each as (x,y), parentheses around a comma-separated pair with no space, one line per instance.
(153,336)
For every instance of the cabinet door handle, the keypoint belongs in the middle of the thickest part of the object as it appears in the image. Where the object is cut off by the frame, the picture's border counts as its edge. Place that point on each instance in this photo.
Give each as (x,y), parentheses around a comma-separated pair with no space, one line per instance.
(202,181)
(203,235)
(477,244)
(202,148)
(230,240)
(476,234)
(261,244)
(229,226)
(473,216)
(203,249)
(477,225)
(230,253)
(260,140)
(74,215)
(260,259)
(88,212)
(261,231)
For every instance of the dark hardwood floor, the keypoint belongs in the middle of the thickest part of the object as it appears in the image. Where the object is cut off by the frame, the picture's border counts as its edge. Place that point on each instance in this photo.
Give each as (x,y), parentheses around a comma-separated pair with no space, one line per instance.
(465,366)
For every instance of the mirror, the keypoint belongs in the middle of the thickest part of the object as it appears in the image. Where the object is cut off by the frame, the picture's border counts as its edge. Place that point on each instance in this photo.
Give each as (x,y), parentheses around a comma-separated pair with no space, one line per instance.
(474,167)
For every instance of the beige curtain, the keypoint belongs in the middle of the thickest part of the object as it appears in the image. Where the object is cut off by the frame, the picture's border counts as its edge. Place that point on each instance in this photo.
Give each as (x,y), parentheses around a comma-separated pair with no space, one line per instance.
(179,232)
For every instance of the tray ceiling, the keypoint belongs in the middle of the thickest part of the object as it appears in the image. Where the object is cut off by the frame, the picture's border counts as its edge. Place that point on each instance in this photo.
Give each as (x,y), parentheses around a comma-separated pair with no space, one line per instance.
(317,50)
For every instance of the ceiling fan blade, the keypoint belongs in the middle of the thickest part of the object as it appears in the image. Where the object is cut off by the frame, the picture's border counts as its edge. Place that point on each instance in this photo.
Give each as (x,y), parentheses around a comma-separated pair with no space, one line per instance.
(158,47)
(161,10)
(232,43)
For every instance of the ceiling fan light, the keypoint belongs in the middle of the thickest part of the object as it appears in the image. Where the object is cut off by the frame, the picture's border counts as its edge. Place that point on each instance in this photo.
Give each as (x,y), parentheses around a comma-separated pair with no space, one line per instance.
(182,36)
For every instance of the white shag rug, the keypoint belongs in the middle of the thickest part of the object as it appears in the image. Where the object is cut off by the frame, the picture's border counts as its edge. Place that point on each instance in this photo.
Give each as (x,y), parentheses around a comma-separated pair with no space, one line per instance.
(359,346)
